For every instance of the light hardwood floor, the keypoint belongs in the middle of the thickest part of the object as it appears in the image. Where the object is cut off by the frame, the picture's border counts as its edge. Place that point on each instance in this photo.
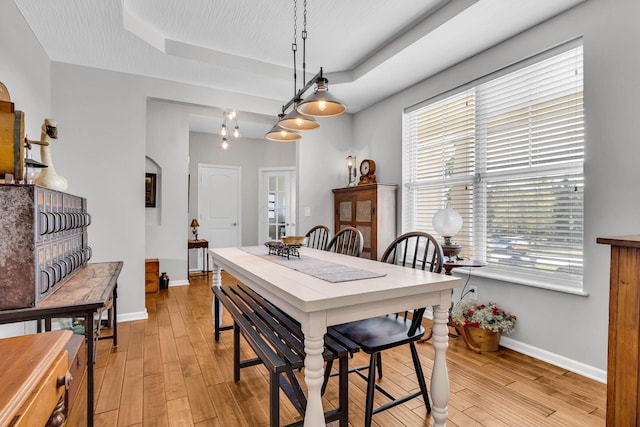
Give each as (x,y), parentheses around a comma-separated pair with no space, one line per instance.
(168,371)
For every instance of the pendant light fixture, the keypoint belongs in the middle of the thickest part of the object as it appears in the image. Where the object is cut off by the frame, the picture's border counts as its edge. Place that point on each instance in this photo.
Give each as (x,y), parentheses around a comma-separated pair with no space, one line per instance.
(321,104)
(296,121)
(224,130)
(281,134)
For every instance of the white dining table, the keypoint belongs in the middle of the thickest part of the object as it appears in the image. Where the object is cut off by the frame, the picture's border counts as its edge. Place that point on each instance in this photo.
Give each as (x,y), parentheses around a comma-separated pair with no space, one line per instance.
(317,303)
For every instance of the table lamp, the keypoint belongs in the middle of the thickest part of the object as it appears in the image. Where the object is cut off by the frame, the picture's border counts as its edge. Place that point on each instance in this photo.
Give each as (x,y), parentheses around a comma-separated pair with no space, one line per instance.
(351,164)
(447,222)
(194,228)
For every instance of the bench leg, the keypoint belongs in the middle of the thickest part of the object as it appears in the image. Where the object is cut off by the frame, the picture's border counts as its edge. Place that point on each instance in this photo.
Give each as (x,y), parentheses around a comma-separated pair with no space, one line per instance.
(216,319)
(274,399)
(236,353)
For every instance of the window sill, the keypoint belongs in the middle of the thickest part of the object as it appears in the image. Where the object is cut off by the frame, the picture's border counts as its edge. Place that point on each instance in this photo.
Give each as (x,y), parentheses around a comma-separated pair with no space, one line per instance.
(540,283)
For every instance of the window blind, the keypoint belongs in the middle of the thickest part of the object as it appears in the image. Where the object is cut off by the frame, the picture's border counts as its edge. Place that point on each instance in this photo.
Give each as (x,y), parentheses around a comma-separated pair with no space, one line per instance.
(508,155)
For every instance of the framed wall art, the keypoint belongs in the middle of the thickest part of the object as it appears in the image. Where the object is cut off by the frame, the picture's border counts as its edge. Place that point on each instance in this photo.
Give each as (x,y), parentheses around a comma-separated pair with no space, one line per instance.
(150,190)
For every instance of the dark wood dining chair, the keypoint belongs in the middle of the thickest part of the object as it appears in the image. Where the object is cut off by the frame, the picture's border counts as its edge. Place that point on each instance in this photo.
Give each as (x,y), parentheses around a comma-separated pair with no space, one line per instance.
(412,250)
(318,237)
(347,241)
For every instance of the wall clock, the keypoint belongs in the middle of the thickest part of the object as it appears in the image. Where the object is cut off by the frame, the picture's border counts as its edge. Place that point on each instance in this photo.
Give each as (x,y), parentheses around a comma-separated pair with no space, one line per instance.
(367,172)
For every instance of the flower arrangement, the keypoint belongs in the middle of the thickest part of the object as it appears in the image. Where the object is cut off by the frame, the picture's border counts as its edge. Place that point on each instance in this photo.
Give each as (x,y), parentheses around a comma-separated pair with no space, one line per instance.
(483,316)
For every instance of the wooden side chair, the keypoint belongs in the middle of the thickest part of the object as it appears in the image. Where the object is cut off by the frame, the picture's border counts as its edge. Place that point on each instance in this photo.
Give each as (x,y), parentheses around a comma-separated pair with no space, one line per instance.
(412,250)
(348,241)
(318,237)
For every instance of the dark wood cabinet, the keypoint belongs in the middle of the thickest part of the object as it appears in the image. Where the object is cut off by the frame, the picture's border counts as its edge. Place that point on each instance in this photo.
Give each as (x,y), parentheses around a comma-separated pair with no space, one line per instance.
(623,375)
(372,210)
(44,242)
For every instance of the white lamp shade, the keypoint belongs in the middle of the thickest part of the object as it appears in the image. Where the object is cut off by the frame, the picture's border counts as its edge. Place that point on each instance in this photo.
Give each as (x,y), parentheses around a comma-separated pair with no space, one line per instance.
(447,222)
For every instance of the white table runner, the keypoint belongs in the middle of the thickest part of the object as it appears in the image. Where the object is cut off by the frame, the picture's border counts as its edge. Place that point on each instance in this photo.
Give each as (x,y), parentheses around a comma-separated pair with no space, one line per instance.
(325,270)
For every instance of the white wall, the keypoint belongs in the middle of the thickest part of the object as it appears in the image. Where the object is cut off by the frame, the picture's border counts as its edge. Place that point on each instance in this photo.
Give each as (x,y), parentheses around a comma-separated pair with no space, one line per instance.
(566,329)
(24,69)
(322,166)
(167,143)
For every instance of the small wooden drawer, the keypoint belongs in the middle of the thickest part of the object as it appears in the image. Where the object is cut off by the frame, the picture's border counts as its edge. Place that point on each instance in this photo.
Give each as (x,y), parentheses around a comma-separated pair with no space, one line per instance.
(151,275)
(34,375)
(77,351)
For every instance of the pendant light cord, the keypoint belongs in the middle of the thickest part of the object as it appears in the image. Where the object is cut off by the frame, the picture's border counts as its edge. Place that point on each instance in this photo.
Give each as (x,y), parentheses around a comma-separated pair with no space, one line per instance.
(304,43)
(294,45)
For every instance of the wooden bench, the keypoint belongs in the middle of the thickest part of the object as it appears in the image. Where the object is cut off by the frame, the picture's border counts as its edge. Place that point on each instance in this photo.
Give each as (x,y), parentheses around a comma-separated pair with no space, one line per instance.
(278,342)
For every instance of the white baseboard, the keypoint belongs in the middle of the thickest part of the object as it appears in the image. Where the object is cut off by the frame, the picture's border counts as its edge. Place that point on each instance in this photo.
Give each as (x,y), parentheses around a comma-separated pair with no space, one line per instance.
(583,369)
(178,282)
(580,368)
(130,317)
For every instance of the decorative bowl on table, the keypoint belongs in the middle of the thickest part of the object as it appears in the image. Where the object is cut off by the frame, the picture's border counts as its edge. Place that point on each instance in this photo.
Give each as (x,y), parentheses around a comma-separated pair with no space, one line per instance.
(287,246)
(294,240)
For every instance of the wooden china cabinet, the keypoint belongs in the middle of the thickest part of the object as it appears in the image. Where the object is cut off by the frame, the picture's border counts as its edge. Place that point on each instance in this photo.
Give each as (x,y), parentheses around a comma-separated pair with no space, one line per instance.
(372,210)
(623,373)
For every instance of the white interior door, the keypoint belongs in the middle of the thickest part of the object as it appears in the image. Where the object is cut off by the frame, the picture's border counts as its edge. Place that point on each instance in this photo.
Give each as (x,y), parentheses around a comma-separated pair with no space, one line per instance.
(219,205)
(277,204)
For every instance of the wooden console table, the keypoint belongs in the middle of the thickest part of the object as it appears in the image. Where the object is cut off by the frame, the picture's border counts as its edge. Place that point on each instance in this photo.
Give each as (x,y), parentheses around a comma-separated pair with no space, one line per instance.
(195,244)
(623,376)
(92,290)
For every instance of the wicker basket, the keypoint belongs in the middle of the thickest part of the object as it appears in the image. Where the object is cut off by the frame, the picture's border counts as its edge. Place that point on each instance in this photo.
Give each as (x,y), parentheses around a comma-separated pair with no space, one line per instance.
(484,339)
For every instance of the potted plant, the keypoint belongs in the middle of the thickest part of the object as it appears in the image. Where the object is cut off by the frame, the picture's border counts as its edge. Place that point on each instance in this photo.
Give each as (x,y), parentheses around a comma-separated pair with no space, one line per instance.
(483,324)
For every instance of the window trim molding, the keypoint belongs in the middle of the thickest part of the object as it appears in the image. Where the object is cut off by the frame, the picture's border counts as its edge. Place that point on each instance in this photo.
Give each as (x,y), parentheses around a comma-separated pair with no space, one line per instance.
(538,283)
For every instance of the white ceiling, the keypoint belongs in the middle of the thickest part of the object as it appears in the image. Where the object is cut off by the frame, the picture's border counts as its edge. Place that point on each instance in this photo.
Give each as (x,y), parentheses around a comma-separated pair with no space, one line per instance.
(368,49)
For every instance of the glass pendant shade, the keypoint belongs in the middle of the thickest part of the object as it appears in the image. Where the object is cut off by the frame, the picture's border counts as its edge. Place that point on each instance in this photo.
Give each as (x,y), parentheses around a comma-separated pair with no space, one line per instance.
(280,134)
(224,145)
(321,103)
(296,121)
(447,222)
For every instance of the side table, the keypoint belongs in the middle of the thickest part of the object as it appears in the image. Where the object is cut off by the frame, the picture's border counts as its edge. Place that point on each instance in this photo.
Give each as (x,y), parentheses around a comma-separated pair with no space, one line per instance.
(195,244)
(448,266)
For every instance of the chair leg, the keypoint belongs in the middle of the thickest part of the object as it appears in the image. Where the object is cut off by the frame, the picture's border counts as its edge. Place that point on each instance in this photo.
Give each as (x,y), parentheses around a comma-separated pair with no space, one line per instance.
(371,386)
(343,396)
(420,375)
(379,363)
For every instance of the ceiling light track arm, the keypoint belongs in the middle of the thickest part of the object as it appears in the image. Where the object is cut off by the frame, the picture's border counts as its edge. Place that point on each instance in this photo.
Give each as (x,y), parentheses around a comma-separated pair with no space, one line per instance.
(315,79)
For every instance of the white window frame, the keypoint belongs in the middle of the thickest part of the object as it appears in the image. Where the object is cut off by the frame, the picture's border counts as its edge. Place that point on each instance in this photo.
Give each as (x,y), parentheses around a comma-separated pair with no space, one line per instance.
(474,233)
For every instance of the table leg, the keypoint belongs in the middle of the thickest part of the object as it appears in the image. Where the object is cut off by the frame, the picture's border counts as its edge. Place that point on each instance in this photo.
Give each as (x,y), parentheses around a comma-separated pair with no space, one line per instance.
(439,375)
(114,306)
(216,281)
(88,333)
(314,377)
